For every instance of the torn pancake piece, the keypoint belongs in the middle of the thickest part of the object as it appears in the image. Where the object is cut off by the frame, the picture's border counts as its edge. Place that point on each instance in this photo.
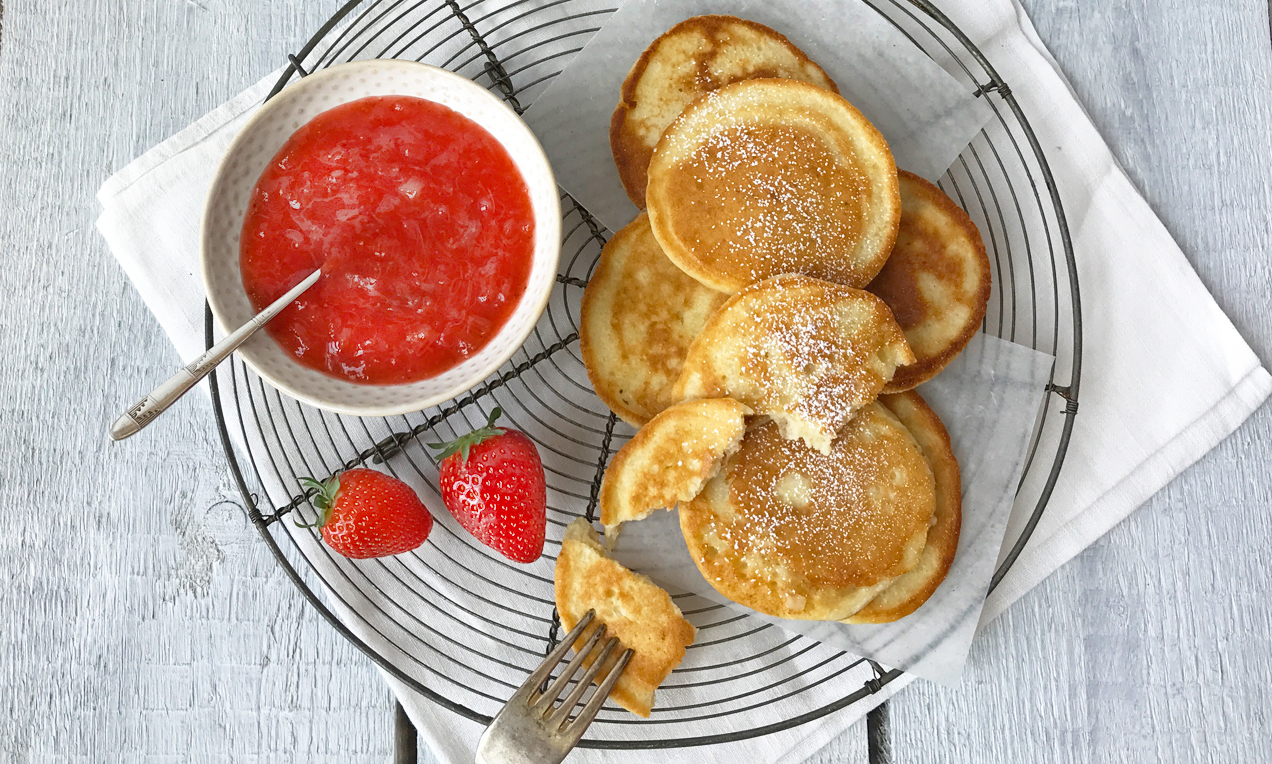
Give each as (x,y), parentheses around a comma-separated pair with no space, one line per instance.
(670,459)
(632,607)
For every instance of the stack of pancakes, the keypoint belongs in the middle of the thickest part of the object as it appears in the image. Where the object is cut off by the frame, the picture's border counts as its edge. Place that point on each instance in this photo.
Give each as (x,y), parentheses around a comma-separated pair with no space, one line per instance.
(764,321)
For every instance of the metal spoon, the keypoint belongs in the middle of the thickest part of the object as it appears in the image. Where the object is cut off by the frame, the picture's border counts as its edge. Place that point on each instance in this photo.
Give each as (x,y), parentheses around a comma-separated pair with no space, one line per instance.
(144,411)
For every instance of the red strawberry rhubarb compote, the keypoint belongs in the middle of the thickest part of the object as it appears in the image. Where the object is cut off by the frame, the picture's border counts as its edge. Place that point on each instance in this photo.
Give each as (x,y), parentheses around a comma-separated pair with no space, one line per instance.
(421,223)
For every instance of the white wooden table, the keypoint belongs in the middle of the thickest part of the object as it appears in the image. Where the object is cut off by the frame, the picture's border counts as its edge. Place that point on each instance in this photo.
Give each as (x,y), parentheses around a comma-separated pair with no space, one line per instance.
(140,616)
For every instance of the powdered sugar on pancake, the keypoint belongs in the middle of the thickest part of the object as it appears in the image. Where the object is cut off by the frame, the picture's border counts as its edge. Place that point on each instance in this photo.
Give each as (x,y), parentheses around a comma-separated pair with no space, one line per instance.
(805,352)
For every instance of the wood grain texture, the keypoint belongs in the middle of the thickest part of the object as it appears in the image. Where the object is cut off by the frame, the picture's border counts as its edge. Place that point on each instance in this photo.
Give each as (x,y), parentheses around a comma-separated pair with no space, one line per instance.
(142,617)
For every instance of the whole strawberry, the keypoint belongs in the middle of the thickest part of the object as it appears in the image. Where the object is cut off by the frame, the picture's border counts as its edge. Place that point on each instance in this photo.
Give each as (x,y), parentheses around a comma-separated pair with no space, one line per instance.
(364,513)
(492,482)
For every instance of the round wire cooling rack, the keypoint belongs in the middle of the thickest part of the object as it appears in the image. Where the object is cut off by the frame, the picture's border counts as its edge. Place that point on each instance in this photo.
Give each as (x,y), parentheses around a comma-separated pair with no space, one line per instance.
(463,626)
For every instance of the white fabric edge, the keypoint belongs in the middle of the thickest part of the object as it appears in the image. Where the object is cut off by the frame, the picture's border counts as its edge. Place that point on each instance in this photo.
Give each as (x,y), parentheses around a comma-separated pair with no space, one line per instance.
(176,327)
(1043,556)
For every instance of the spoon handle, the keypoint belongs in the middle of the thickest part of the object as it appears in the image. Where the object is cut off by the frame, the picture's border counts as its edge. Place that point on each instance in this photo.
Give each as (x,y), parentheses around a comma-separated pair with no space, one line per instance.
(145,410)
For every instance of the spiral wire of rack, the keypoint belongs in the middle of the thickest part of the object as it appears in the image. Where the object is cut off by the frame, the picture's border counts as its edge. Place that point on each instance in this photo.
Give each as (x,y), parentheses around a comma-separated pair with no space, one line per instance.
(465,628)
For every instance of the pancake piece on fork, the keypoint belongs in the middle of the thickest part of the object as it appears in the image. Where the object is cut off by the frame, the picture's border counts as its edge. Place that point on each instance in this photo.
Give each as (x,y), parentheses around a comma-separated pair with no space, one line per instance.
(639,315)
(692,58)
(769,176)
(794,533)
(904,595)
(805,352)
(632,607)
(936,282)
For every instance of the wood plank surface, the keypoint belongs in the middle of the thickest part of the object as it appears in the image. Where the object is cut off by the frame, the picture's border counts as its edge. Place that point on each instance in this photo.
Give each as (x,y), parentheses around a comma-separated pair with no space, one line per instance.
(141,617)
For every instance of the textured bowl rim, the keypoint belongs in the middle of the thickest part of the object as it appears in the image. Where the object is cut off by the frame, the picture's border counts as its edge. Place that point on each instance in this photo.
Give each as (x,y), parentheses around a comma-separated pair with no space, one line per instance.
(519,333)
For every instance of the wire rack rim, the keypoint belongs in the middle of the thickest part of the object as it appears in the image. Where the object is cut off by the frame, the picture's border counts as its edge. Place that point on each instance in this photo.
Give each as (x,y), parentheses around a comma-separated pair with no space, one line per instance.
(500,79)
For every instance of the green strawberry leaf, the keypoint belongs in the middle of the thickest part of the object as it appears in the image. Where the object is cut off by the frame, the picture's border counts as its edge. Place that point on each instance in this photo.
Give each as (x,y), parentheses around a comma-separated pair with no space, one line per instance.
(323,499)
(463,443)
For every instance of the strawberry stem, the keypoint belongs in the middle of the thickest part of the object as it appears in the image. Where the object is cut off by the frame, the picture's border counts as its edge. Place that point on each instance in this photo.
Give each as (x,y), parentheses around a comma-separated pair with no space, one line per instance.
(463,443)
(323,499)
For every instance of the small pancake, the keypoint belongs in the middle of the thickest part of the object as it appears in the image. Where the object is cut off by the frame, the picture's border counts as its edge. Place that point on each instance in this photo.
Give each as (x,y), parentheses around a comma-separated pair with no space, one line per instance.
(769,176)
(937,280)
(797,534)
(694,57)
(632,607)
(808,353)
(670,458)
(904,595)
(640,312)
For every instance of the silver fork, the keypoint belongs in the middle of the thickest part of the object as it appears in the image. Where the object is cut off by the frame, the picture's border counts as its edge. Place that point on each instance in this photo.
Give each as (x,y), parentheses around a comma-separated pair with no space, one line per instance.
(530,729)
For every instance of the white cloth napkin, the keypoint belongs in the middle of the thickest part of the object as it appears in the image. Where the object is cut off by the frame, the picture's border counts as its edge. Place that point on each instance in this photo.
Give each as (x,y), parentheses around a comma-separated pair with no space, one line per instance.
(1165,374)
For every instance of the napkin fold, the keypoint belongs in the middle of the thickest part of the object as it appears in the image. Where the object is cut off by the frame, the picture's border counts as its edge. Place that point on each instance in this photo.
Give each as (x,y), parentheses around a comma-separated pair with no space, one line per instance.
(1165,374)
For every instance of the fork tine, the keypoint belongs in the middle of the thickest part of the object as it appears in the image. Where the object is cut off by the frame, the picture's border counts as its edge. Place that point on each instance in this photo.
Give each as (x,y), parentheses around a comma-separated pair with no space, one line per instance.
(550,661)
(576,728)
(551,694)
(558,717)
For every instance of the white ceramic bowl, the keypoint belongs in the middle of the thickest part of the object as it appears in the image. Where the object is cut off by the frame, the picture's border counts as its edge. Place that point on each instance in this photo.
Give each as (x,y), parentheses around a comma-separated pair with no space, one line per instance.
(262,137)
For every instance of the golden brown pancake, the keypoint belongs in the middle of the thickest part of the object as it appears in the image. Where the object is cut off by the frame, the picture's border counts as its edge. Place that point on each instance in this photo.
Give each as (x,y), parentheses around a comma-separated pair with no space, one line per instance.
(632,607)
(794,533)
(769,176)
(808,353)
(937,280)
(670,458)
(640,312)
(905,594)
(694,57)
